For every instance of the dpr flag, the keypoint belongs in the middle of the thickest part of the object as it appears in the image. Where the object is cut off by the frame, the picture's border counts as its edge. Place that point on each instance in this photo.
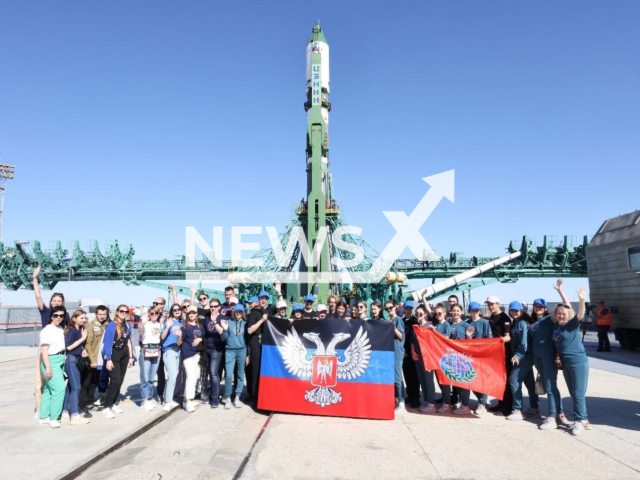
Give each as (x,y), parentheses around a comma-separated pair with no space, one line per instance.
(476,364)
(328,367)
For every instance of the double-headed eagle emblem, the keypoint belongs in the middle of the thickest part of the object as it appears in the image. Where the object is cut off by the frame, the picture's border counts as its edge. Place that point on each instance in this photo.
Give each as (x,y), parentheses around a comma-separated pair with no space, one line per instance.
(324,367)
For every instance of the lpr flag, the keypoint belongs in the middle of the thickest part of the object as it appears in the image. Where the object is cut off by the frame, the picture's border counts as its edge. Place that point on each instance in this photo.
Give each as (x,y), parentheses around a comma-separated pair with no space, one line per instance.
(328,367)
(475,364)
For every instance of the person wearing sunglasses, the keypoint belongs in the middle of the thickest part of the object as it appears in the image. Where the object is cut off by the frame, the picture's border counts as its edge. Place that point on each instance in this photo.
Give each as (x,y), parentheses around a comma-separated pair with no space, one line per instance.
(52,348)
(236,355)
(459,332)
(408,364)
(501,328)
(215,349)
(171,331)
(361,307)
(150,339)
(398,353)
(443,327)
(75,338)
(425,377)
(118,355)
(190,341)
(159,303)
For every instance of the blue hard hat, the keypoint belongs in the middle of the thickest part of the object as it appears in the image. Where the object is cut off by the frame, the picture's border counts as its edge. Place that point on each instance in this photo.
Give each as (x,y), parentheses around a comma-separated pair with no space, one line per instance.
(408,304)
(264,293)
(253,299)
(474,306)
(540,301)
(238,308)
(515,306)
(309,298)
(297,306)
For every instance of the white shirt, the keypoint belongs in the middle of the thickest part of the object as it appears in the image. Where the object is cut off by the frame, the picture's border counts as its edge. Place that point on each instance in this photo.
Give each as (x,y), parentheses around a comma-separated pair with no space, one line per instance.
(151,332)
(54,337)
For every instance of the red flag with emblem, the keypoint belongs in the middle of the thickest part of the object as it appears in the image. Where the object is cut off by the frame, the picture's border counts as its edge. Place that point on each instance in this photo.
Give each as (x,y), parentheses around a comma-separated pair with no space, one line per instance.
(476,364)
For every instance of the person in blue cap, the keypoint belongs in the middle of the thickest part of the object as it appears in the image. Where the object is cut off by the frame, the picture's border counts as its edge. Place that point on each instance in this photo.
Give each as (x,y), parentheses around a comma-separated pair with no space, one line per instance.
(296,312)
(308,313)
(236,355)
(575,365)
(478,328)
(260,311)
(521,360)
(408,365)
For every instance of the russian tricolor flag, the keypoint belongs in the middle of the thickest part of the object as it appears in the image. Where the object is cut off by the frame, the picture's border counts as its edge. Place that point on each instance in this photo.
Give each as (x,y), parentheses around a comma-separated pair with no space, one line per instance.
(328,367)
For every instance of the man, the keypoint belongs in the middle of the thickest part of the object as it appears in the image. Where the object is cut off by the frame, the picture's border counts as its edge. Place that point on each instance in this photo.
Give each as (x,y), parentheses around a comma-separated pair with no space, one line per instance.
(95,331)
(260,310)
(501,328)
(408,364)
(332,303)
(225,309)
(603,323)
(308,313)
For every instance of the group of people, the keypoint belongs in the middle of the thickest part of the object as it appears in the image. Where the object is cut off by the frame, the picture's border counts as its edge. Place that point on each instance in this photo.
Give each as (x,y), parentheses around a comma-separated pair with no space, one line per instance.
(187,348)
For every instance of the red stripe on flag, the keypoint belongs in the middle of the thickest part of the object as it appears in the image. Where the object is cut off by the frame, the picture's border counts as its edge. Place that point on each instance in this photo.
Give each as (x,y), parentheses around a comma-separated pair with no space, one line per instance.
(359,400)
(488,372)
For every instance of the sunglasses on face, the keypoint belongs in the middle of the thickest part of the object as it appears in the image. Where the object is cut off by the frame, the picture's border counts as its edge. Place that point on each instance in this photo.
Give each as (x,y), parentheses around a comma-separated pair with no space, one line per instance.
(214,306)
(203,298)
(157,303)
(153,314)
(123,311)
(57,315)
(361,307)
(185,307)
(176,310)
(388,309)
(439,313)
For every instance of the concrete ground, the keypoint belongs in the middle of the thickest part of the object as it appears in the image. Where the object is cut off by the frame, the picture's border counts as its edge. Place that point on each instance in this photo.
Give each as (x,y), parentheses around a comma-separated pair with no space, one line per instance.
(214,443)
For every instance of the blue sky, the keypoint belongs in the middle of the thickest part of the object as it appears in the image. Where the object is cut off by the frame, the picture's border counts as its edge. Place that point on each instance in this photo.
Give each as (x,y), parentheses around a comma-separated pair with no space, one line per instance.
(132,120)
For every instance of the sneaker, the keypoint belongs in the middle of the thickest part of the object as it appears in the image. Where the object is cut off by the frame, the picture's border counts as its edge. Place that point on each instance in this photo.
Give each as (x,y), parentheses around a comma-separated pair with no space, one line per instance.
(444,408)
(43,421)
(215,403)
(148,405)
(462,410)
(237,403)
(78,420)
(190,407)
(516,415)
(195,403)
(205,401)
(86,413)
(65,417)
(427,408)
(153,401)
(481,409)
(54,424)
(107,413)
(533,412)
(99,402)
(548,424)
(227,403)
(586,424)
(169,406)
(562,419)
(116,409)
(578,428)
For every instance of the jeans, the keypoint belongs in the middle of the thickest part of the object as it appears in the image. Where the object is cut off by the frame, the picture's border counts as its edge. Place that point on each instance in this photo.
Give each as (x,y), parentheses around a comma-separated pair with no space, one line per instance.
(603,337)
(576,374)
(53,392)
(72,394)
(214,366)
(518,375)
(148,369)
(397,374)
(234,358)
(103,379)
(192,371)
(547,369)
(171,358)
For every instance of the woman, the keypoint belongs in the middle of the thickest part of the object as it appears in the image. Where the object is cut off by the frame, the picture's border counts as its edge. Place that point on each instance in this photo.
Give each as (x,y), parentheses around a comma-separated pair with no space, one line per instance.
(190,341)
(426,378)
(52,353)
(376,311)
(332,302)
(443,328)
(544,354)
(521,360)
(215,349)
(398,352)
(75,337)
(236,355)
(479,328)
(296,313)
(118,355)
(322,312)
(149,357)
(281,309)
(341,311)
(361,308)
(459,332)
(575,365)
(171,331)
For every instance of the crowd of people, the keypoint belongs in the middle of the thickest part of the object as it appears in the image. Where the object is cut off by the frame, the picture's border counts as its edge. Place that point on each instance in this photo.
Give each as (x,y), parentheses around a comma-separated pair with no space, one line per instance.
(183,353)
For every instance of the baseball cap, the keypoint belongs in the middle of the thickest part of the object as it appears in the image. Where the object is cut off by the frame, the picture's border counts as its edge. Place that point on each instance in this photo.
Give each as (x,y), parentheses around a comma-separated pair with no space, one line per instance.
(309,298)
(234,300)
(192,308)
(322,308)
(264,293)
(492,299)
(474,306)
(281,304)
(238,308)
(515,306)
(297,306)
(408,304)
(253,299)
(540,301)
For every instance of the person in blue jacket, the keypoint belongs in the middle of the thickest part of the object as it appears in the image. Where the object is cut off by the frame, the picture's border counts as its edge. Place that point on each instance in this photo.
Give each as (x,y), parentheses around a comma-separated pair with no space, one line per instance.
(236,355)
(398,353)
(478,328)
(575,365)
(522,360)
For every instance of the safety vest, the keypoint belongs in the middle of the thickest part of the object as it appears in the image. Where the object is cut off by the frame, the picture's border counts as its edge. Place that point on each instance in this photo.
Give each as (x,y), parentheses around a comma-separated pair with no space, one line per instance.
(605,319)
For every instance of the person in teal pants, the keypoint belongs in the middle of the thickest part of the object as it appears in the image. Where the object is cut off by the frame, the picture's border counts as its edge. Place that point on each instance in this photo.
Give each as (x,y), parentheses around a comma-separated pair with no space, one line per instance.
(575,365)
(522,360)
(52,348)
(235,335)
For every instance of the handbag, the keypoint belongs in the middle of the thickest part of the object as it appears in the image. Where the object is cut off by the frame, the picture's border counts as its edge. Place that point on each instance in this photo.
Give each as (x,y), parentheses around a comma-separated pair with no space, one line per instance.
(83,363)
(540,390)
(151,350)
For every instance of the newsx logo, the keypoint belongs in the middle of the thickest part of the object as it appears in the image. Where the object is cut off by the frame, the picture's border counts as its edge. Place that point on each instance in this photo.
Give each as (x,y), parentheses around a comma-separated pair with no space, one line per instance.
(407,235)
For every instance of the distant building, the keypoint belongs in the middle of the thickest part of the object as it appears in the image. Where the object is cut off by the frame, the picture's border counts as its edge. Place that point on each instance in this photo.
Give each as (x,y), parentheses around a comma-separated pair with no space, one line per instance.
(613,262)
